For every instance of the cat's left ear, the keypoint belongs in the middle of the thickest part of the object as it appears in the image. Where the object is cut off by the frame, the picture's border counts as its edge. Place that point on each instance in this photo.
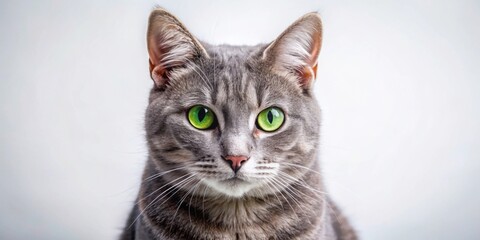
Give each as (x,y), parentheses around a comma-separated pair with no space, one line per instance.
(295,51)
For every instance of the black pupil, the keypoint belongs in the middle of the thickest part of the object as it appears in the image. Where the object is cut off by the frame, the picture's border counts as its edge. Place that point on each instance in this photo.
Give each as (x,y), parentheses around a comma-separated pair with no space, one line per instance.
(270,117)
(201,114)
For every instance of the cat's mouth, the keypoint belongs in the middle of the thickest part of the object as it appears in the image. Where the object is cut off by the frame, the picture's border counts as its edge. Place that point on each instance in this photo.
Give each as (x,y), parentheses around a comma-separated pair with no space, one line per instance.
(234,186)
(233,180)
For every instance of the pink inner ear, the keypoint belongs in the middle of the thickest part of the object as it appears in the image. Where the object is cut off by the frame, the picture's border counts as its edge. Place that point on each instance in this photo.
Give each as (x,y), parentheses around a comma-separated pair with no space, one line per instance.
(158,69)
(154,49)
(157,73)
(307,75)
(314,68)
(316,45)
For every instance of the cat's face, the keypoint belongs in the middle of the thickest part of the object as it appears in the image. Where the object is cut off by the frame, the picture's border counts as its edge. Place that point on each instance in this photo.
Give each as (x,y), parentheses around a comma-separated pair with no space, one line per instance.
(240,120)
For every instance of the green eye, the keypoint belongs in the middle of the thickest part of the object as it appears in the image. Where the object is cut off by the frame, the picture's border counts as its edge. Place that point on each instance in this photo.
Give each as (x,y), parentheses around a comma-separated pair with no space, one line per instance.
(270,119)
(201,117)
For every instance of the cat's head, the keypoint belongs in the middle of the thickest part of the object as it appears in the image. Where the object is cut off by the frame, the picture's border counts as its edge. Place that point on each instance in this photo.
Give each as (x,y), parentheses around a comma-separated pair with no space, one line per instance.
(239,119)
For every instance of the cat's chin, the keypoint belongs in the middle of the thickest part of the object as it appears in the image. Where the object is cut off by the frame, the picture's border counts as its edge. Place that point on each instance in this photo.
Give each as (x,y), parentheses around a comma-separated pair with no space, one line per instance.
(233,187)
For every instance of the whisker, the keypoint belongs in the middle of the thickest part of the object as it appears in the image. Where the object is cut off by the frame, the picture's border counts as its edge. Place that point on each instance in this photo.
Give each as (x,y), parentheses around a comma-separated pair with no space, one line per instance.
(297,191)
(191,196)
(179,187)
(150,178)
(288,193)
(181,201)
(332,210)
(303,167)
(155,199)
(305,184)
(203,201)
(277,190)
(160,188)
(275,194)
(319,194)
(157,175)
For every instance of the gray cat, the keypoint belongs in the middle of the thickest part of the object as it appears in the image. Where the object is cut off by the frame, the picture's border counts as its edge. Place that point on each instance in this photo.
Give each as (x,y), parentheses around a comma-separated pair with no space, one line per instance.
(232,134)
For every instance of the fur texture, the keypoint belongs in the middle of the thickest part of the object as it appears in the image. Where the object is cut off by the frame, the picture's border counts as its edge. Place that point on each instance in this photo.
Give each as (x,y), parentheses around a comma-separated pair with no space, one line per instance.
(189,190)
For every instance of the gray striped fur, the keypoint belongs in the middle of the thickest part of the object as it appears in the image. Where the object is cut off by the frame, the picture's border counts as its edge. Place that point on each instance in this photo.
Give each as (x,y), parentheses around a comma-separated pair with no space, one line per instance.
(187,191)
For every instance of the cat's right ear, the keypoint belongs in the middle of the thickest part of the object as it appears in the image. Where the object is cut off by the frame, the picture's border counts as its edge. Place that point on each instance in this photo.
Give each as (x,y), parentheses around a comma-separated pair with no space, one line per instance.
(295,52)
(170,46)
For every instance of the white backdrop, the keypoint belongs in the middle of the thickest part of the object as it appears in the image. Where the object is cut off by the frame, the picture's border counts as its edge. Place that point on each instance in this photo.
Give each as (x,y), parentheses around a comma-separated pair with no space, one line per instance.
(397,81)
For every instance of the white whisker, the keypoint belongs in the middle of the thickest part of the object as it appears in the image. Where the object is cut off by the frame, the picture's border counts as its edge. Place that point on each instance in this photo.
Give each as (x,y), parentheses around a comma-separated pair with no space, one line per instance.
(156,198)
(278,191)
(160,188)
(288,193)
(183,199)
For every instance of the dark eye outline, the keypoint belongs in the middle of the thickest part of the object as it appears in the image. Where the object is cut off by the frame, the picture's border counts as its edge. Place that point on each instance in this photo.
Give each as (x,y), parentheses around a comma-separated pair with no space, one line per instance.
(211,126)
(257,124)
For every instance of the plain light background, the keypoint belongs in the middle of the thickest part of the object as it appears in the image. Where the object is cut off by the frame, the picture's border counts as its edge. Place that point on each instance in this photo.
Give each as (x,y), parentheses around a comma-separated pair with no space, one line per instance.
(398,82)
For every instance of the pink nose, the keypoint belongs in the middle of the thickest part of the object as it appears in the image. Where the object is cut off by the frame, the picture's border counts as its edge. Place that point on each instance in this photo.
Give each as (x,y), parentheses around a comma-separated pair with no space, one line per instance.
(236,161)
